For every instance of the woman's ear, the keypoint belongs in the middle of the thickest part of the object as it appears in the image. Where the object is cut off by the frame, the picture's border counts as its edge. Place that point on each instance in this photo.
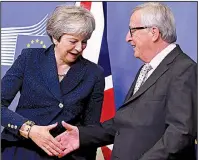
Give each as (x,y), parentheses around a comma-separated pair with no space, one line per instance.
(54,41)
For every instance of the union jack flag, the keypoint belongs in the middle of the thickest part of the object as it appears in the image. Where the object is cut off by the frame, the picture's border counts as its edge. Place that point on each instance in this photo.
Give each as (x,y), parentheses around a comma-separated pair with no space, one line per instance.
(98,52)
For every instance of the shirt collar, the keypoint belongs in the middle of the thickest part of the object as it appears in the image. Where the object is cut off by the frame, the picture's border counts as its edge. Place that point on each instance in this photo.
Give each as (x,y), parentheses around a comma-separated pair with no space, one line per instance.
(161,55)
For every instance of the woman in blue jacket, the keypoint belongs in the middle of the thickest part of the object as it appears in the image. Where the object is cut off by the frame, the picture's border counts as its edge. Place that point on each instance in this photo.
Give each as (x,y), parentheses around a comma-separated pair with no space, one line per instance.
(55,84)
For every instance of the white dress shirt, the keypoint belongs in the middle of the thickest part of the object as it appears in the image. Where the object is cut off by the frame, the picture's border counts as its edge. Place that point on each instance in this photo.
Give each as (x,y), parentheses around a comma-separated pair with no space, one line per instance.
(159,58)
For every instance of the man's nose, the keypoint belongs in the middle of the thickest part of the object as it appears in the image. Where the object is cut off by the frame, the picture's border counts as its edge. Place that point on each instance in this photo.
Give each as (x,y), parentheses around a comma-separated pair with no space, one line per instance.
(128,37)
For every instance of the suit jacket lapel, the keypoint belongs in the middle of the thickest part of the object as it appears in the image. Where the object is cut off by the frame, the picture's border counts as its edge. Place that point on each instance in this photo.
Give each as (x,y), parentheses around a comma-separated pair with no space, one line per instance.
(74,75)
(49,72)
(160,70)
(151,80)
(130,92)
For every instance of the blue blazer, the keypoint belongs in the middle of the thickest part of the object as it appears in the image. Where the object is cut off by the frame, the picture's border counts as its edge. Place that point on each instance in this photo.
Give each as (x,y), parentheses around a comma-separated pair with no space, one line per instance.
(76,100)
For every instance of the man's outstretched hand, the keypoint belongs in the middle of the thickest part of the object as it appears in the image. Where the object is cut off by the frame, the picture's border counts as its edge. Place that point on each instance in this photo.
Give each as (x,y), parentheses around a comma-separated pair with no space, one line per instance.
(69,139)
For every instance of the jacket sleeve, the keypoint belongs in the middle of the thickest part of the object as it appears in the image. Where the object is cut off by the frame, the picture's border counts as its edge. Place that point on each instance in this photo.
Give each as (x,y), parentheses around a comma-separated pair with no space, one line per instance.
(97,135)
(181,117)
(11,83)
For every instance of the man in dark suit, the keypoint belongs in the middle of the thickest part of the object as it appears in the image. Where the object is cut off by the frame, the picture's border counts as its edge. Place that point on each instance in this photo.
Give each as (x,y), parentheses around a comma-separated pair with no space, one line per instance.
(159,116)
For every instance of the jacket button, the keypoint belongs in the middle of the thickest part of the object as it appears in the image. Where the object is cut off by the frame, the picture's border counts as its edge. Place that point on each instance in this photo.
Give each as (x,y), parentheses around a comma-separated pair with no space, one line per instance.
(8,124)
(15,127)
(61,105)
(12,126)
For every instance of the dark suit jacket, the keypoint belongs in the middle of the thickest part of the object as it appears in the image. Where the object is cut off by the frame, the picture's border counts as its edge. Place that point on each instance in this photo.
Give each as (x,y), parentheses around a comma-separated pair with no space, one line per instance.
(77,99)
(158,122)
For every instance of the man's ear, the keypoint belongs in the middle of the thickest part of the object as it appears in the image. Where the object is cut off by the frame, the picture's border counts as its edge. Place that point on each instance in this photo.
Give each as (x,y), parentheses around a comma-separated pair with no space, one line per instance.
(155,32)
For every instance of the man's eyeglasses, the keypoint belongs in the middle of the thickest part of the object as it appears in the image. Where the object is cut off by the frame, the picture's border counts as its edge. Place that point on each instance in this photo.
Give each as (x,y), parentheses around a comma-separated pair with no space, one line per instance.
(133,29)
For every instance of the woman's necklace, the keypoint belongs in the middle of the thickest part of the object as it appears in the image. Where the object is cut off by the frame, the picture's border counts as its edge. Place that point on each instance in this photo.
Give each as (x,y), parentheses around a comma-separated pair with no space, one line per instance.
(61,75)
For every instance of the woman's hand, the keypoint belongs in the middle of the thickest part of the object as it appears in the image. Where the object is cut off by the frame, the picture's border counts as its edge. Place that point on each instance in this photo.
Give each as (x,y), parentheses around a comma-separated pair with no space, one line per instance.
(42,137)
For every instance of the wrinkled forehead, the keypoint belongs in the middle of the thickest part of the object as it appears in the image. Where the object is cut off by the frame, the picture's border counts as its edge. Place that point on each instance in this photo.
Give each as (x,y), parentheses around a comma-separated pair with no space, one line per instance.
(135,20)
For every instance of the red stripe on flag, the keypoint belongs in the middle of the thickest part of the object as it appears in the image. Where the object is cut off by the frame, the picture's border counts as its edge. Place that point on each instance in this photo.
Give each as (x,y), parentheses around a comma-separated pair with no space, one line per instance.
(108,107)
(86,5)
(106,152)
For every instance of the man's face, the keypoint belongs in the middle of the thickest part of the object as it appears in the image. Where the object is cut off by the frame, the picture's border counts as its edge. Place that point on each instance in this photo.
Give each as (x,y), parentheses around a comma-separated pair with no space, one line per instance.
(140,39)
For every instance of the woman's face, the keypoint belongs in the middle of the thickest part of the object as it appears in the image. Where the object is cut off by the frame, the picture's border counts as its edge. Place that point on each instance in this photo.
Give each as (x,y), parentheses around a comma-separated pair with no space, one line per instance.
(69,48)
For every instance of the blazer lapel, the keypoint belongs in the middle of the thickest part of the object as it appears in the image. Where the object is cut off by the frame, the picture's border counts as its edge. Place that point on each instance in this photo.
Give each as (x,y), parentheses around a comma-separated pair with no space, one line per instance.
(130,92)
(160,70)
(74,75)
(49,72)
